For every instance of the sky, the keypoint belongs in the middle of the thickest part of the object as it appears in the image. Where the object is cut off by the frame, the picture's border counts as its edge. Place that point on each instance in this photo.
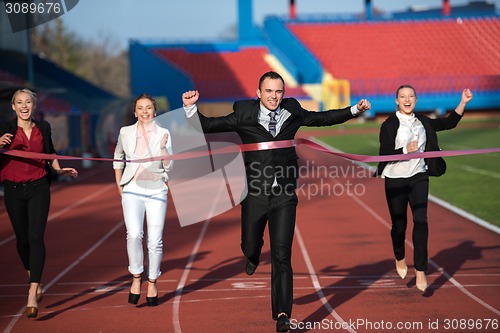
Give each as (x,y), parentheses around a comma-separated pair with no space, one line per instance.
(200,20)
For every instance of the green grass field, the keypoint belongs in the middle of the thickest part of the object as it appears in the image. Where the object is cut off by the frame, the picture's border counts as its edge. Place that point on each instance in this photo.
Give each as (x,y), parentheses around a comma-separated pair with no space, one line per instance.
(471,182)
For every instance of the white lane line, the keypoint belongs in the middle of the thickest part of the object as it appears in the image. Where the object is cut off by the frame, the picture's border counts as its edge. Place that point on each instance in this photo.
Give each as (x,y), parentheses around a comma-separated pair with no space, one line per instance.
(66,209)
(432,262)
(180,287)
(463,213)
(481,172)
(100,283)
(449,145)
(65,271)
(254,279)
(8,239)
(462,289)
(315,281)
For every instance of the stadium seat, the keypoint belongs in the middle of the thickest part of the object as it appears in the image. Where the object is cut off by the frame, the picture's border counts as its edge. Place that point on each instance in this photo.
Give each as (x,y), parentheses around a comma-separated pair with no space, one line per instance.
(437,55)
(226,74)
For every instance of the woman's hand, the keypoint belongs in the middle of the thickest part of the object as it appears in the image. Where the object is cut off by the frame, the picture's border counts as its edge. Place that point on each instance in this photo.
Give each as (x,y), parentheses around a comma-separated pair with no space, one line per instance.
(67,172)
(412,147)
(164,140)
(466,96)
(5,139)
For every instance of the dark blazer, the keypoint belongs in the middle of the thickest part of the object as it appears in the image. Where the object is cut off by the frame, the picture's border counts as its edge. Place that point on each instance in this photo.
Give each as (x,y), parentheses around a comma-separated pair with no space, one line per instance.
(388,131)
(44,127)
(263,165)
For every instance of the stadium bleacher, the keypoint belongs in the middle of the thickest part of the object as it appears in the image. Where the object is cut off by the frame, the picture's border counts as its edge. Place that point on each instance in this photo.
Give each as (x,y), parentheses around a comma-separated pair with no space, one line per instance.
(223,75)
(436,55)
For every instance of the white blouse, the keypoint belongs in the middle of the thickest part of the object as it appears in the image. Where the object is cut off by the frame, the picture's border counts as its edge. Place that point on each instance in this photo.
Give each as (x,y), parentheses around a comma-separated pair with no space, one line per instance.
(410,129)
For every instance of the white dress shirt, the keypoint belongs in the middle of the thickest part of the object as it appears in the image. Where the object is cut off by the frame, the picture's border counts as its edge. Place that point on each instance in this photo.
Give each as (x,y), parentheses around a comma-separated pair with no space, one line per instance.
(410,129)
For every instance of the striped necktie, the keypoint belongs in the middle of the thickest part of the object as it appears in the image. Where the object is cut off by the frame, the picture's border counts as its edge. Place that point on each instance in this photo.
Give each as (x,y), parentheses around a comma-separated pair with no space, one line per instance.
(272,123)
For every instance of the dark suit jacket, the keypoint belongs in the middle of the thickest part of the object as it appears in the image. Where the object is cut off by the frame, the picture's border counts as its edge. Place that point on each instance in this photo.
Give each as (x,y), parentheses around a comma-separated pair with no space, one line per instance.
(44,127)
(262,166)
(389,129)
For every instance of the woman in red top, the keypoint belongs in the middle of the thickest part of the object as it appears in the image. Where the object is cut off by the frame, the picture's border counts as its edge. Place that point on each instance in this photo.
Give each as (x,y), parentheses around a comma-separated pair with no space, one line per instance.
(27,194)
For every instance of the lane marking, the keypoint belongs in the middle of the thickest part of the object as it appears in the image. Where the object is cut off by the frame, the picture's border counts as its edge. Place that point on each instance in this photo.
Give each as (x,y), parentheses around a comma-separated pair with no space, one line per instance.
(182,282)
(465,214)
(432,262)
(180,287)
(249,285)
(67,269)
(315,281)
(481,172)
(449,145)
(462,289)
(103,282)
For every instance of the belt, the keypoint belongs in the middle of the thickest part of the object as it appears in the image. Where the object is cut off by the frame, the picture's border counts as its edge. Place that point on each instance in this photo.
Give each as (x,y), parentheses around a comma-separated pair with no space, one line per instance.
(26,184)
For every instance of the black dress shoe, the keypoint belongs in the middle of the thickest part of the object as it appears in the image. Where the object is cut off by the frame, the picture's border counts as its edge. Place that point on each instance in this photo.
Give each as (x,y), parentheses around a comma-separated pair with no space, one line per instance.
(251,267)
(283,324)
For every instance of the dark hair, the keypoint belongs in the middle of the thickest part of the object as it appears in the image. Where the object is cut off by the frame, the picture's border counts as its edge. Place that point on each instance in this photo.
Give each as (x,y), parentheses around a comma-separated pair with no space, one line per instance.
(271,75)
(145,96)
(406,86)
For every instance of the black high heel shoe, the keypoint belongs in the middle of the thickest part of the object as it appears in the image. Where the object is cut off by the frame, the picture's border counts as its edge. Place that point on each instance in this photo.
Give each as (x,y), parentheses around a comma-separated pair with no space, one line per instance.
(134,298)
(152,301)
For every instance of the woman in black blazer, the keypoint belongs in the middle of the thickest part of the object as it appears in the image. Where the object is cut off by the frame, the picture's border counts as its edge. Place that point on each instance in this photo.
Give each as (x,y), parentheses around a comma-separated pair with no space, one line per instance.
(407,182)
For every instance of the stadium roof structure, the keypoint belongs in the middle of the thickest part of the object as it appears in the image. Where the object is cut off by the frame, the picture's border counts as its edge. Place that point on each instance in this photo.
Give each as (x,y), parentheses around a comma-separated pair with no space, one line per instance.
(440,56)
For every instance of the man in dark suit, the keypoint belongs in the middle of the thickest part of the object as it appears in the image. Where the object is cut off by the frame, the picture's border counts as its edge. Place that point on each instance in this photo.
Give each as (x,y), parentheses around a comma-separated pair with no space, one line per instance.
(271,175)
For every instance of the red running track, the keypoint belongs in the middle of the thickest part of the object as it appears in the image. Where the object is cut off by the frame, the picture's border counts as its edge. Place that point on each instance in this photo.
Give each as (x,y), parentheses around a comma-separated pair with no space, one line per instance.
(342,260)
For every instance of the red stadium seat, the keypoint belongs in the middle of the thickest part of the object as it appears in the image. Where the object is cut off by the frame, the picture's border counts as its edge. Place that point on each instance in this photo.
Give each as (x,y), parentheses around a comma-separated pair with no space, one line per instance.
(439,56)
(226,74)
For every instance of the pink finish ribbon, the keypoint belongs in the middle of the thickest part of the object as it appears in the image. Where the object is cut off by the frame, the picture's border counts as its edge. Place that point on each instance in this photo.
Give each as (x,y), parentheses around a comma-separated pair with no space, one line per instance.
(263,146)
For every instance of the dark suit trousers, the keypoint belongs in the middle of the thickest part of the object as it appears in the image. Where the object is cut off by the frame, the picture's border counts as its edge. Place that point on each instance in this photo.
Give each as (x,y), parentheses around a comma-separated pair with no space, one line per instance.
(28,207)
(279,209)
(399,192)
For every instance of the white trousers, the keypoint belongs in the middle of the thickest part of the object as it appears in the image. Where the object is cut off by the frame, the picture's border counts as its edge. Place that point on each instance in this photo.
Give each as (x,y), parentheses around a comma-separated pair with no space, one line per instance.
(138,200)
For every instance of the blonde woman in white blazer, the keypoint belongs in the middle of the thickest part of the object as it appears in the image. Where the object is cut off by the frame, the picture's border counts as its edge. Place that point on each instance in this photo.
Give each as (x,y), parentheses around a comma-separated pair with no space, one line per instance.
(143,190)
